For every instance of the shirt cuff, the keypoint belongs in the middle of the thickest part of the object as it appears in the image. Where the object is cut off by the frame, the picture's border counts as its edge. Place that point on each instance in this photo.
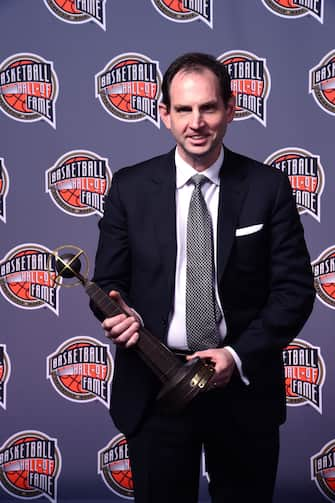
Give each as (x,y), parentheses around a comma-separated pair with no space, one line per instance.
(238,364)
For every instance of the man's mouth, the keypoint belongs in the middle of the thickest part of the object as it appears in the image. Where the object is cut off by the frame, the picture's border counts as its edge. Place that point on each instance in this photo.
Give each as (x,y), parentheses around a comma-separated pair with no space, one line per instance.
(197,137)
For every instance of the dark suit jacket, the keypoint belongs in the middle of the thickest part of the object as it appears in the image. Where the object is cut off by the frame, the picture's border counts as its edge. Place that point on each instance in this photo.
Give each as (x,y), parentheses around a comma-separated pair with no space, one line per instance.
(264,278)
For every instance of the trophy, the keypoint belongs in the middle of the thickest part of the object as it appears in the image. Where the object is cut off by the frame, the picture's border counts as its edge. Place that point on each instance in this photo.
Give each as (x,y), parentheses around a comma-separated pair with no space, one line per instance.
(181,382)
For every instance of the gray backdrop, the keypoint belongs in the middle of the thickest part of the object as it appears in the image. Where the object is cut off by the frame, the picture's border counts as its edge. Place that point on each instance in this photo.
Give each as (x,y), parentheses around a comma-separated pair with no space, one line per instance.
(78,425)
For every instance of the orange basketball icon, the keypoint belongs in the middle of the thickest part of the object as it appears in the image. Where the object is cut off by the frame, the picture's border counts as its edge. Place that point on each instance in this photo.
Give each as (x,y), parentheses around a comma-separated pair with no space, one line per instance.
(19,478)
(72,196)
(286,3)
(328,87)
(73,381)
(122,101)
(67,6)
(17,101)
(175,5)
(21,288)
(123,478)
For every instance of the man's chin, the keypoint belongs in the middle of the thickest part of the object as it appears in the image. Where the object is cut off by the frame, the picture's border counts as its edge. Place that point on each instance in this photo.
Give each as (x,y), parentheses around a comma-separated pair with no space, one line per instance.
(201,152)
(194,149)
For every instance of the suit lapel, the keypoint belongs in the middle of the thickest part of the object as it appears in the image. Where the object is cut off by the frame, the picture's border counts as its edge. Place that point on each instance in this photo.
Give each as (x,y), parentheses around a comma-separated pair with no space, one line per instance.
(164,214)
(233,187)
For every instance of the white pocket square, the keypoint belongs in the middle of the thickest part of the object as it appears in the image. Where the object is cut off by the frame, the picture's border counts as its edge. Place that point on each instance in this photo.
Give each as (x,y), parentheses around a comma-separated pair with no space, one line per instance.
(251,229)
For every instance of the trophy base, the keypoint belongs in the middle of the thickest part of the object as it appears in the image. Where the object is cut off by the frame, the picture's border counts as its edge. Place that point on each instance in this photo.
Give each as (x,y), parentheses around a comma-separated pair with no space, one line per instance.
(189,380)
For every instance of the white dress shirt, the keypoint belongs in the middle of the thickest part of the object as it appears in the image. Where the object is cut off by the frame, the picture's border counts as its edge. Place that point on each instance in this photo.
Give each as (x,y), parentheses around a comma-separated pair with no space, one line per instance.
(176,337)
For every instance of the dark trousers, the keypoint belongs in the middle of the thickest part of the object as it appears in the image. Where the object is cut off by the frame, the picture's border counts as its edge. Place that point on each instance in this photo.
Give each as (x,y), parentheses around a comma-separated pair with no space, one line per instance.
(165,454)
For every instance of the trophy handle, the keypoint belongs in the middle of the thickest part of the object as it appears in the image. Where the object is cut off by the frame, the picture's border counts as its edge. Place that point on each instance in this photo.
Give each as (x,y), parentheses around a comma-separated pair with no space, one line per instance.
(181,381)
(156,355)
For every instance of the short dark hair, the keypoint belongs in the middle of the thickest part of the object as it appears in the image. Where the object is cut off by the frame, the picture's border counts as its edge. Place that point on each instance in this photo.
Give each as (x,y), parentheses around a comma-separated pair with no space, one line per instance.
(197,62)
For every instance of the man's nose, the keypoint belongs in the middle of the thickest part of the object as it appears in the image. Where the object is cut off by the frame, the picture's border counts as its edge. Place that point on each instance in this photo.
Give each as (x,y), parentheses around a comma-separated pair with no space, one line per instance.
(196,120)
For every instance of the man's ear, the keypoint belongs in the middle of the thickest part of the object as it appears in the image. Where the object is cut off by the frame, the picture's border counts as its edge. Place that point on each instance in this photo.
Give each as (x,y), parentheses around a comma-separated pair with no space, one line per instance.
(165,115)
(230,108)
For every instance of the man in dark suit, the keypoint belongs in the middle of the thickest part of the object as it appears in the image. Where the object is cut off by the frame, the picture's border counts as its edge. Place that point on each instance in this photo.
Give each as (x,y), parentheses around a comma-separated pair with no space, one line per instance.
(261,289)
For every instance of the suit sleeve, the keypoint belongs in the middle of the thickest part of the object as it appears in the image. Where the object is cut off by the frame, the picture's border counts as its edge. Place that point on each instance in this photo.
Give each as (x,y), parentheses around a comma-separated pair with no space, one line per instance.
(291,288)
(112,263)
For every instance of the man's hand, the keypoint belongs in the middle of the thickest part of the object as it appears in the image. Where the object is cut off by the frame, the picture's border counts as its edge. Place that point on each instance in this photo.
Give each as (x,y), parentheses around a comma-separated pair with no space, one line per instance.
(122,329)
(224,365)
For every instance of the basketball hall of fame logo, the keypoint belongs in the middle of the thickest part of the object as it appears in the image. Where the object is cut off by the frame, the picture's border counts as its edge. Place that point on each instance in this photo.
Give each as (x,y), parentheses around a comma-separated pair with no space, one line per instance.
(114,467)
(323,470)
(5,369)
(322,83)
(324,277)
(250,83)
(296,8)
(185,11)
(27,277)
(306,175)
(78,182)
(81,370)
(4,186)
(304,374)
(30,463)
(79,11)
(28,88)
(129,88)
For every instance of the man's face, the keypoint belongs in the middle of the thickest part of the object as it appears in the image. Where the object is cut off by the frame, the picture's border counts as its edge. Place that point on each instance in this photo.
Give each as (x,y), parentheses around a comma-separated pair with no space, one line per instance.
(197,117)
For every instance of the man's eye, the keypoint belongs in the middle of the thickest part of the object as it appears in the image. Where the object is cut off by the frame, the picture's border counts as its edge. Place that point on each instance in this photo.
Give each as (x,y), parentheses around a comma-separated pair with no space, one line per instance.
(210,108)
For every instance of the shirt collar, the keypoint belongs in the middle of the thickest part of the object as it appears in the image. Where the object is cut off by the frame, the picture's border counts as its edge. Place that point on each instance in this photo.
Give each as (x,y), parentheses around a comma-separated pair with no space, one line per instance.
(184,171)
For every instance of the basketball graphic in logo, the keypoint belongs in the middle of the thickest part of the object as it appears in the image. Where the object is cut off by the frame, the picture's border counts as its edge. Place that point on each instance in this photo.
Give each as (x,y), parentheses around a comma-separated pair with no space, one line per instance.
(78,183)
(79,11)
(181,11)
(304,374)
(114,467)
(306,176)
(27,278)
(324,277)
(64,6)
(323,470)
(30,464)
(296,8)
(81,370)
(129,88)
(28,88)
(322,83)
(4,186)
(174,5)
(250,84)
